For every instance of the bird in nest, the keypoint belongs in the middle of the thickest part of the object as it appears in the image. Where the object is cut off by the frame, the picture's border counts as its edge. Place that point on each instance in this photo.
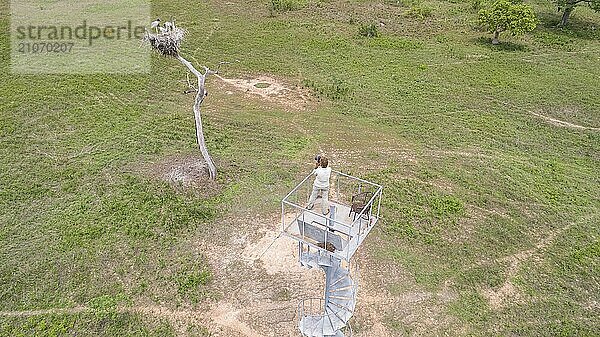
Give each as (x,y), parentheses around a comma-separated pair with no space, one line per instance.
(155,24)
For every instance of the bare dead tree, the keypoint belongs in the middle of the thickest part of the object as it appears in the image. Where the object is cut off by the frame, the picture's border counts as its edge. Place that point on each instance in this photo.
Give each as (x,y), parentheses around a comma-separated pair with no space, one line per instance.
(166,41)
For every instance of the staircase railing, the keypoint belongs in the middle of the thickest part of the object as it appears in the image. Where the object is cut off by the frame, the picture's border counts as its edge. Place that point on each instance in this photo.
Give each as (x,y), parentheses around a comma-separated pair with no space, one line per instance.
(315,307)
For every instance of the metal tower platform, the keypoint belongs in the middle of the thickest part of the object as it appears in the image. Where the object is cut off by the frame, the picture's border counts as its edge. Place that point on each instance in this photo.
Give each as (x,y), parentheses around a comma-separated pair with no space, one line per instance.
(329,242)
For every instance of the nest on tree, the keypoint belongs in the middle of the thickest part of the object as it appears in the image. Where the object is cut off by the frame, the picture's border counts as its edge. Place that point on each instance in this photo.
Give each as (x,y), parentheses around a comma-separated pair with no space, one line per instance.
(166,42)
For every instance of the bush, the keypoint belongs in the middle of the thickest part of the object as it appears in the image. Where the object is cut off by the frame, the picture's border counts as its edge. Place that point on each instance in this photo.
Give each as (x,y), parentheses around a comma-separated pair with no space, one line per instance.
(337,89)
(420,12)
(369,30)
(504,15)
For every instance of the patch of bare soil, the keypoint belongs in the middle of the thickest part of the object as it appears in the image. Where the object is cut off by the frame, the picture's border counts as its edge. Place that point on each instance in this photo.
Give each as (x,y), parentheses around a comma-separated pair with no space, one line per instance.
(187,172)
(261,281)
(498,298)
(507,293)
(271,90)
(275,254)
(228,316)
(592,305)
(182,171)
(264,283)
(259,284)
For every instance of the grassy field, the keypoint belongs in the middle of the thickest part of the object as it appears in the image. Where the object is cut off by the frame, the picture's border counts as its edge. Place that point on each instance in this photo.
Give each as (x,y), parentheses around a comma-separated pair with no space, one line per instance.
(491,208)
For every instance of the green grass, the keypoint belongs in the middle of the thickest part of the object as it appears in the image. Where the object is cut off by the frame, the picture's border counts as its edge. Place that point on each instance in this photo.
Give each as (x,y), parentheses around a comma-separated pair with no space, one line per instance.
(84,324)
(429,107)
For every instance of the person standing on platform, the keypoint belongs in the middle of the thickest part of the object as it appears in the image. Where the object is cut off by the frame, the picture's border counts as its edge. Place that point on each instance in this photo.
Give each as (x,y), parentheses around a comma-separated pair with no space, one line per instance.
(322,174)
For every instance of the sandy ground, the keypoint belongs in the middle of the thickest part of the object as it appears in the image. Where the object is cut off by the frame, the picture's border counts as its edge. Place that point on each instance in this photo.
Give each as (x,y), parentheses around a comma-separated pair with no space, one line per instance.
(270,90)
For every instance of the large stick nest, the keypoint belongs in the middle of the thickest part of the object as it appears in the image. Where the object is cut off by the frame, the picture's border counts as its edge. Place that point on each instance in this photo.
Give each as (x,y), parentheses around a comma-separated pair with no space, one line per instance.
(166,42)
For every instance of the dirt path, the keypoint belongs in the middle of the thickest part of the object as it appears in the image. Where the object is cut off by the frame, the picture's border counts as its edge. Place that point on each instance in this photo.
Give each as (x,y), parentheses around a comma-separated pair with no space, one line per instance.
(554,121)
(558,122)
(508,292)
(228,316)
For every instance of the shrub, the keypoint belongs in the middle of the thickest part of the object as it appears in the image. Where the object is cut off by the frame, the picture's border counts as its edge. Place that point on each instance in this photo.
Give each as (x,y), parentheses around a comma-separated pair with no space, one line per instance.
(420,12)
(368,30)
(338,89)
(504,15)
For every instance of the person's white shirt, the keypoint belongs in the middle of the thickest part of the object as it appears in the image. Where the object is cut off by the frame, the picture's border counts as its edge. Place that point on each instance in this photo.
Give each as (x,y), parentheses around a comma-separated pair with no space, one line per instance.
(322,177)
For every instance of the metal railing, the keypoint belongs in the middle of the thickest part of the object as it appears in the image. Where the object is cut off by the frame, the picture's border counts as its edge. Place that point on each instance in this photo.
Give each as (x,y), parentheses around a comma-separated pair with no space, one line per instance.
(349,232)
(315,307)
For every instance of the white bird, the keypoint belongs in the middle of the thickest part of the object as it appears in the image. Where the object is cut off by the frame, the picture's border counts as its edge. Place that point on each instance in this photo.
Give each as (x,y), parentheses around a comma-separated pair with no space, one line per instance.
(169,25)
(155,24)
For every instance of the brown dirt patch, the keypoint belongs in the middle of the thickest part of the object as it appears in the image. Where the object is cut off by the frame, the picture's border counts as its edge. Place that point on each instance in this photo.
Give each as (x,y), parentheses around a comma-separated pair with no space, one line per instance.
(185,172)
(272,90)
(226,315)
(261,281)
(275,254)
(504,295)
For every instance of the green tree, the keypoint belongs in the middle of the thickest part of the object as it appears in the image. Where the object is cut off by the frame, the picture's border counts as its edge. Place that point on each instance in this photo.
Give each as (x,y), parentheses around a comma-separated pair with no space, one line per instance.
(504,15)
(567,6)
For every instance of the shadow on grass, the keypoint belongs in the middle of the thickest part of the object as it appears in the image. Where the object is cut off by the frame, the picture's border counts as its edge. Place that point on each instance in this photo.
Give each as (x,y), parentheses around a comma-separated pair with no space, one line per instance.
(577,27)
(503,46)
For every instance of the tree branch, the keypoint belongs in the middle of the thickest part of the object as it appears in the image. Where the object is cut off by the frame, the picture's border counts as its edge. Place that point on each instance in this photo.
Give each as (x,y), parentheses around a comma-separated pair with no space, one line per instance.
(200,94)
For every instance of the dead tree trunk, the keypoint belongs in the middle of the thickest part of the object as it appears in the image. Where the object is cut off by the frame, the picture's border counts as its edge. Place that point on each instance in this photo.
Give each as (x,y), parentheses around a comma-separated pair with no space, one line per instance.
(200,94)
(166,41)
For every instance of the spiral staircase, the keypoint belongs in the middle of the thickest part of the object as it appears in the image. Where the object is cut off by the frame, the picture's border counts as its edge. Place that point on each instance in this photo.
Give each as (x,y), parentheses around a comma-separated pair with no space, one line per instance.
(329,242)
(328,316)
